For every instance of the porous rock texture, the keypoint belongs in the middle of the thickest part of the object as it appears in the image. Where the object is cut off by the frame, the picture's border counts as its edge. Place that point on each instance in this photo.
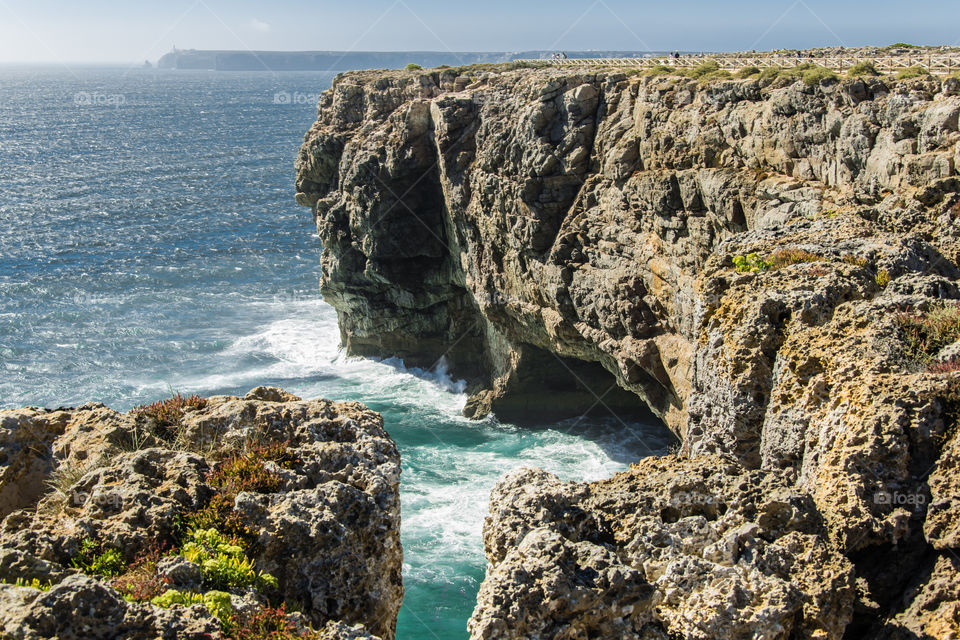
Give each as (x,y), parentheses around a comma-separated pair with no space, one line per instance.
(551,233)
(329,533)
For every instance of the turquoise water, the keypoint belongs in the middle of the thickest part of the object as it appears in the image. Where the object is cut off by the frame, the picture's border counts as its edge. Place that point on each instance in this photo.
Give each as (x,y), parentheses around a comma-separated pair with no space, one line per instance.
(149,241)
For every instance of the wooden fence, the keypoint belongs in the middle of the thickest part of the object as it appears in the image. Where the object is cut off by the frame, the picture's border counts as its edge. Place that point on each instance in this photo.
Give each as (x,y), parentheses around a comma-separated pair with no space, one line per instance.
(940,64)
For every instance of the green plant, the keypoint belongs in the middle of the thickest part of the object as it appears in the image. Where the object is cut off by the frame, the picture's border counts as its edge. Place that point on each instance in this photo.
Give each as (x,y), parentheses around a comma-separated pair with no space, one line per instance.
(222,561)
(813,77)
(93,560)
(750,263)
(659,70)
(216,602)
(770,73)
(30,584)
(902,45)
(925,334)
(702,70)
(413,67)
(912,72)
(882,278)
(861,69)
(748,72)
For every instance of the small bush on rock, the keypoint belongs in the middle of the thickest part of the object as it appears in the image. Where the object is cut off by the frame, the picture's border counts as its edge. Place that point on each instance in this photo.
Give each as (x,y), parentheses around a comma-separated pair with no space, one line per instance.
(748,72)
(266,624)
(750,263)
(31,584)
(217,602)
(413,67)
(165,416)
(862,69)
(925,334)
(223,562)
(141,582)
(93,561)
(912,72)
(787,257)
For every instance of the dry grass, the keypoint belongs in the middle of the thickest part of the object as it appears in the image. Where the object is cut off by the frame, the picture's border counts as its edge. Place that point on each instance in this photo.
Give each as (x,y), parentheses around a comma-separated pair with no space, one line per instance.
(926,333)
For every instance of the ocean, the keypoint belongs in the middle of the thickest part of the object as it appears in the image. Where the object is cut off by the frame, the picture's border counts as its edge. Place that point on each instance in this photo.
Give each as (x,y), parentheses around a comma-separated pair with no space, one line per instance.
(149,243)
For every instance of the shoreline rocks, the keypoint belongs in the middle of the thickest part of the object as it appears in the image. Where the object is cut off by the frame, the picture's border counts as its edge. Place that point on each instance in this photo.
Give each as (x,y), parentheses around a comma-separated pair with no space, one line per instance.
(240,505)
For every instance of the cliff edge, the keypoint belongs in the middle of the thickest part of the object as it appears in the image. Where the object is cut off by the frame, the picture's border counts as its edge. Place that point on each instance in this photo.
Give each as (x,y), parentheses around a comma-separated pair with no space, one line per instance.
(769,264)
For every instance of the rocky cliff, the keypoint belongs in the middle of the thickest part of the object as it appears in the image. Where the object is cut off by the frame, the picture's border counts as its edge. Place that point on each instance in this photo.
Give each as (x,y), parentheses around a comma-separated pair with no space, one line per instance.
(768,264)
(262,516)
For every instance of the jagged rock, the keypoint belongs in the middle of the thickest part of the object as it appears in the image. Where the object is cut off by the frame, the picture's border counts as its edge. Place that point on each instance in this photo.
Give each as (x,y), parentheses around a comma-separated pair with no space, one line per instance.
(701,548)
(83,608)
(329,532)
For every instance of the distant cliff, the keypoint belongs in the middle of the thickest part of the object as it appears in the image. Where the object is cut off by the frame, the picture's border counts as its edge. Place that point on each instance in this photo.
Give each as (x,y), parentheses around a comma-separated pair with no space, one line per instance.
(348,60)
(769,264)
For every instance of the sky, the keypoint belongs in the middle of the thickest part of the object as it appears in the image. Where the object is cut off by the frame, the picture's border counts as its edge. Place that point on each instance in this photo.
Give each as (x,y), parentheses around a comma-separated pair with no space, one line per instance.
(111,31)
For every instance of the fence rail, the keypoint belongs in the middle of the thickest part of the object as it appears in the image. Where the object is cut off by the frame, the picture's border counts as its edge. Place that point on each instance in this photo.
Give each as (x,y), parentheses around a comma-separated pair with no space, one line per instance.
(885,64)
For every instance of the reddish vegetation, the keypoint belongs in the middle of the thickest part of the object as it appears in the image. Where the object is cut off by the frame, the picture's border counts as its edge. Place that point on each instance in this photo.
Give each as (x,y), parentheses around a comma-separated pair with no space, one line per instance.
(949,366)
(241,472)
(266,624)
(141,581)
(166,415)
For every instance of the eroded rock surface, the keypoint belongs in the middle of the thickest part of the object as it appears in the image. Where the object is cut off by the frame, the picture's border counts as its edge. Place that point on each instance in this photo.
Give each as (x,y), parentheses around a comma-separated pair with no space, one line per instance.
(738,255)
(324,523)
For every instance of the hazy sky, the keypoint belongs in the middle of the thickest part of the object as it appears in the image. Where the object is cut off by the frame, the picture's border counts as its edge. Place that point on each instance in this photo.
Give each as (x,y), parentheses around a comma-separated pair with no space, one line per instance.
(114,31)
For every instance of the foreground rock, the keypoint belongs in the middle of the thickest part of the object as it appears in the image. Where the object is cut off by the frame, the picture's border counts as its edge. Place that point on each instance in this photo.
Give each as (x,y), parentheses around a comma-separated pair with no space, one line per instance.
(770,265)
(672,548)
(99,504)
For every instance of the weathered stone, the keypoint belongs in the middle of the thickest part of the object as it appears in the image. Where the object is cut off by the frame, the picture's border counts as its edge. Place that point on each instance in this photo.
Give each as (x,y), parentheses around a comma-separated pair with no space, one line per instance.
(329,533)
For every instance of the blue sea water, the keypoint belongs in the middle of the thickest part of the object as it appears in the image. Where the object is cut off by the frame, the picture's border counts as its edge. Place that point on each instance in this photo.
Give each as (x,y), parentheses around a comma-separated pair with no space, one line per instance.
(149,242)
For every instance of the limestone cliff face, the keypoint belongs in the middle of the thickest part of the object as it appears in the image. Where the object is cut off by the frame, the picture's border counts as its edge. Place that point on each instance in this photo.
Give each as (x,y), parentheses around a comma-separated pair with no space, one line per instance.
(581,233)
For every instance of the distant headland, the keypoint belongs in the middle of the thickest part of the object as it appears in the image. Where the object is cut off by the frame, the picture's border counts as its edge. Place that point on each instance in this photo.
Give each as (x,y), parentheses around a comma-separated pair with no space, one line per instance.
(350,60)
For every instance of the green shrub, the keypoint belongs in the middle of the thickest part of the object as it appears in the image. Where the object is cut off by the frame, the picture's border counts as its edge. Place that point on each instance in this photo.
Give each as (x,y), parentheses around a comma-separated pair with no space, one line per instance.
(30,584)
(902,45)
(770,73)
(882,278)
(813,77)
(912,72)
(861,69)
(413,67)
(93,561)
(750,263)
(925,334)
(754,263)
(701,70)
(222,561)
(748,72)
(216,602)
(659,70)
